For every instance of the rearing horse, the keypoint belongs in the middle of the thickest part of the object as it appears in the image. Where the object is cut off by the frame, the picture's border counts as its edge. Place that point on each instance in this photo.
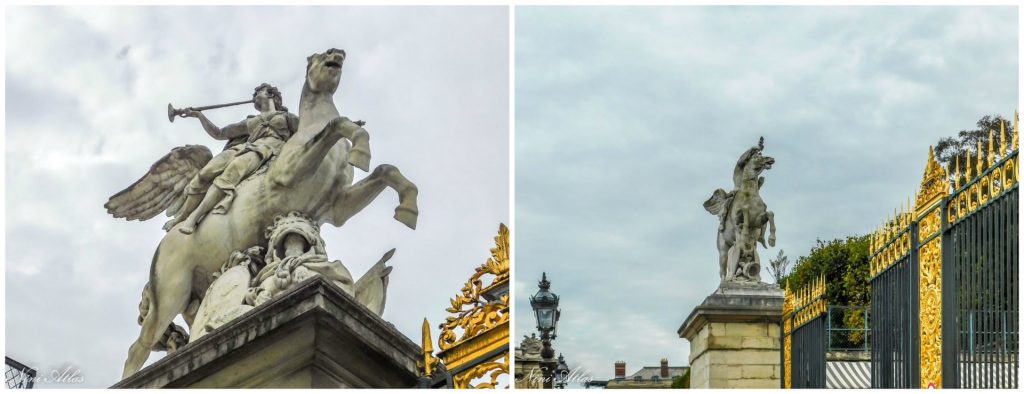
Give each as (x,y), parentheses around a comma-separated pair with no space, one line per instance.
(312,175)
(743,215)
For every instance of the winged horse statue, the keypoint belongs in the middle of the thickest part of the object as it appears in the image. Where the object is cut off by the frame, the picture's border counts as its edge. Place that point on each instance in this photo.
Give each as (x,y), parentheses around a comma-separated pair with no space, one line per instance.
(743,217)
(312,175)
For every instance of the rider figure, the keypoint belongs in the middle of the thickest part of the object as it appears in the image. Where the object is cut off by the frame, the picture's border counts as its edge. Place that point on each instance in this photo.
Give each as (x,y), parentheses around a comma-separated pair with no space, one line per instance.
(252,142)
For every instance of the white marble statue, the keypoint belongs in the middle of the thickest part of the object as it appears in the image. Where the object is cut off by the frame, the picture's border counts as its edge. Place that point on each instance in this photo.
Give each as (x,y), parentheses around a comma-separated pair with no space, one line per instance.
(304,168)
(743,218)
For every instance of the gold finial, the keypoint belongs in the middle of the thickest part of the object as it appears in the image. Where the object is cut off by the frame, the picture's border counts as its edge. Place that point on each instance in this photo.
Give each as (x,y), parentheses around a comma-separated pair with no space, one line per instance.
(428,350)
(1002,139)
(967,168)
(1015,130)
(904,215)
(991,148)
(878,238)
(956,173)
(978,168)
(909,207)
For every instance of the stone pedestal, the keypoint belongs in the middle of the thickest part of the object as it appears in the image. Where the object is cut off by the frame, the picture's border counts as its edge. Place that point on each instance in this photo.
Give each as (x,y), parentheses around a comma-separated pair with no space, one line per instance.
(313,336)
(734,337)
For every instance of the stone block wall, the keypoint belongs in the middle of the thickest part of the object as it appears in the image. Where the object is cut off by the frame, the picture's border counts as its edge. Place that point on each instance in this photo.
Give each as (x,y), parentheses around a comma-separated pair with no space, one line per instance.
(735,355)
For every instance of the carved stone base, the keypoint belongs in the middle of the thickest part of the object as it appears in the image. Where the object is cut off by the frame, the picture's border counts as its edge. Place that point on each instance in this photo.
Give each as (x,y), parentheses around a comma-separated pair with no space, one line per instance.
(734,337)
(313,336)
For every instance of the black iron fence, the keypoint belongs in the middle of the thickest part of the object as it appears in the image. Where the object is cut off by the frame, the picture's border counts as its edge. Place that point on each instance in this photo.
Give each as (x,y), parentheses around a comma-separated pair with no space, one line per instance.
(848,329)
(894,325)
(945,278)
(19,376)
(981,325)
(804,337)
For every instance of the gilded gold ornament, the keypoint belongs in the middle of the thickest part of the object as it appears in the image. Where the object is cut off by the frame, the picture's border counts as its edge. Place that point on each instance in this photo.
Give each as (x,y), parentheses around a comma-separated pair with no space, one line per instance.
(930,256)
(478,326)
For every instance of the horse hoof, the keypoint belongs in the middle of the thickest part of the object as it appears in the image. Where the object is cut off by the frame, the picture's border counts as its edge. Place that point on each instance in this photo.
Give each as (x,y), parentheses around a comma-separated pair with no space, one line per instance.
(187,230)
(359,159)
(407,216)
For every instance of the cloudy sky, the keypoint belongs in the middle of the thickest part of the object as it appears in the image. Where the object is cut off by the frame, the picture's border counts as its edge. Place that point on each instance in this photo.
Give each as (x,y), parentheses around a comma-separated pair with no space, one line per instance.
(86,92)
(628,118)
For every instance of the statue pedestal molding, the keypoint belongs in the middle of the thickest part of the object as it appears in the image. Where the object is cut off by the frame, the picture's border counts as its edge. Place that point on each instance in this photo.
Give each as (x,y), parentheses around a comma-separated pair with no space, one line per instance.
(313,336)
(734,337)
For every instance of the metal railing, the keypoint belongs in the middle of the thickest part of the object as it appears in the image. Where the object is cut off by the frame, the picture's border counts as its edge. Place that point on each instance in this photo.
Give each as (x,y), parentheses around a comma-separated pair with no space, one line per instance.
(19,376)
(844,337)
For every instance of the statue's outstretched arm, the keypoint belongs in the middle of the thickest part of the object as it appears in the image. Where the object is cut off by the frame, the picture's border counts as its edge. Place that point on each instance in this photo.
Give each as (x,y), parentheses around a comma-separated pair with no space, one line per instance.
(219,133)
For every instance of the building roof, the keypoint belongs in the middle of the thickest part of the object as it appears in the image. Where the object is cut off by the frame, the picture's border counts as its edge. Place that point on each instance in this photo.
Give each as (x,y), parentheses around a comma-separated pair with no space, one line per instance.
(648,373)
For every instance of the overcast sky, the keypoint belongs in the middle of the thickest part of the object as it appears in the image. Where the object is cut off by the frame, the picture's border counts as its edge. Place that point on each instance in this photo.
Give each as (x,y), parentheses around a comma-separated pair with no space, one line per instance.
(628,118)
(86,92)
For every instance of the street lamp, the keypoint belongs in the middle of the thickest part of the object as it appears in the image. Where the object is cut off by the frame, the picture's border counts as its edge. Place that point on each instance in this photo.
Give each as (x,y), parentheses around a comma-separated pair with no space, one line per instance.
(545,308)
(561,373)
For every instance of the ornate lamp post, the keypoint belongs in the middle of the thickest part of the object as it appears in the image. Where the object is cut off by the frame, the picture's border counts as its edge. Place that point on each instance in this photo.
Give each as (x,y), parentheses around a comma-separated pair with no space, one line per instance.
(545,307)
(561,373)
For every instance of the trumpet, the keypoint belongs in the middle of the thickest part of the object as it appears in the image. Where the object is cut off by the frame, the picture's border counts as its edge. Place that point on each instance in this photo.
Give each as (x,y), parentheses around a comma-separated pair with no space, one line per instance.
(175,112)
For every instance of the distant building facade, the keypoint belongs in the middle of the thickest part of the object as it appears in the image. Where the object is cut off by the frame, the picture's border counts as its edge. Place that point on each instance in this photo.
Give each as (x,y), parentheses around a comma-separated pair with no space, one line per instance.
(659,377)
(528,374)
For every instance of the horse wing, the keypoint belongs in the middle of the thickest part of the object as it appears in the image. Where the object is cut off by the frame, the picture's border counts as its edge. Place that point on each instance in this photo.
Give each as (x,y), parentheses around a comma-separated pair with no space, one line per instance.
(717,203)
(162,188)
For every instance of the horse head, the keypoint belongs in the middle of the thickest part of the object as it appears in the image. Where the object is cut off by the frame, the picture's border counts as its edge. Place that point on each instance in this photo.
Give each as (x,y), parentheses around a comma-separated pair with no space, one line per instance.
(323,71)
(751,164)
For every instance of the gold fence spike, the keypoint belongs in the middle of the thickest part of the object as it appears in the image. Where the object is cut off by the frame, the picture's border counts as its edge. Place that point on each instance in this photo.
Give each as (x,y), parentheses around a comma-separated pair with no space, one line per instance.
(1015,130)
(904,209)
(428,349)
(956,173)
(991,148)
(968,170)
(1002,139)
(978,168)
(909,207)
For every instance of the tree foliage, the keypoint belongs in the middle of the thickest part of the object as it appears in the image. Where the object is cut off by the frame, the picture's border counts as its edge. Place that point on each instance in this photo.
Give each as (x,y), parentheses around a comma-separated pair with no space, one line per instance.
(949,148)
(682,382)
(844,264)
(777,267)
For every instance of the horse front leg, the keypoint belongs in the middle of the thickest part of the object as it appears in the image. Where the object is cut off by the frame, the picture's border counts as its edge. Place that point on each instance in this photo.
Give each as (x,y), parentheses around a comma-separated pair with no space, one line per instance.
(771,223)
(300,156)
(360,194)
(359,155)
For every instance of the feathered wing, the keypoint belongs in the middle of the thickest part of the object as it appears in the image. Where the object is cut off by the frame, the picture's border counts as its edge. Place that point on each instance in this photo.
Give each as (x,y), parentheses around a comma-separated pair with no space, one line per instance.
(162,188)
(716,204)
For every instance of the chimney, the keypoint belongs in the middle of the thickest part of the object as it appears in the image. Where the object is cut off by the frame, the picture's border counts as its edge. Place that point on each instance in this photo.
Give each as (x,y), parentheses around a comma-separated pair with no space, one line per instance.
(664,368)
(620,369)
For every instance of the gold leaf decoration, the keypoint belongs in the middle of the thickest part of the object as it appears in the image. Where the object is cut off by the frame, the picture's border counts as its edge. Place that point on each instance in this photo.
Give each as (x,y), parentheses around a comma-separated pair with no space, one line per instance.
(473,312)
(493,370)
(934,184)
(931,313)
